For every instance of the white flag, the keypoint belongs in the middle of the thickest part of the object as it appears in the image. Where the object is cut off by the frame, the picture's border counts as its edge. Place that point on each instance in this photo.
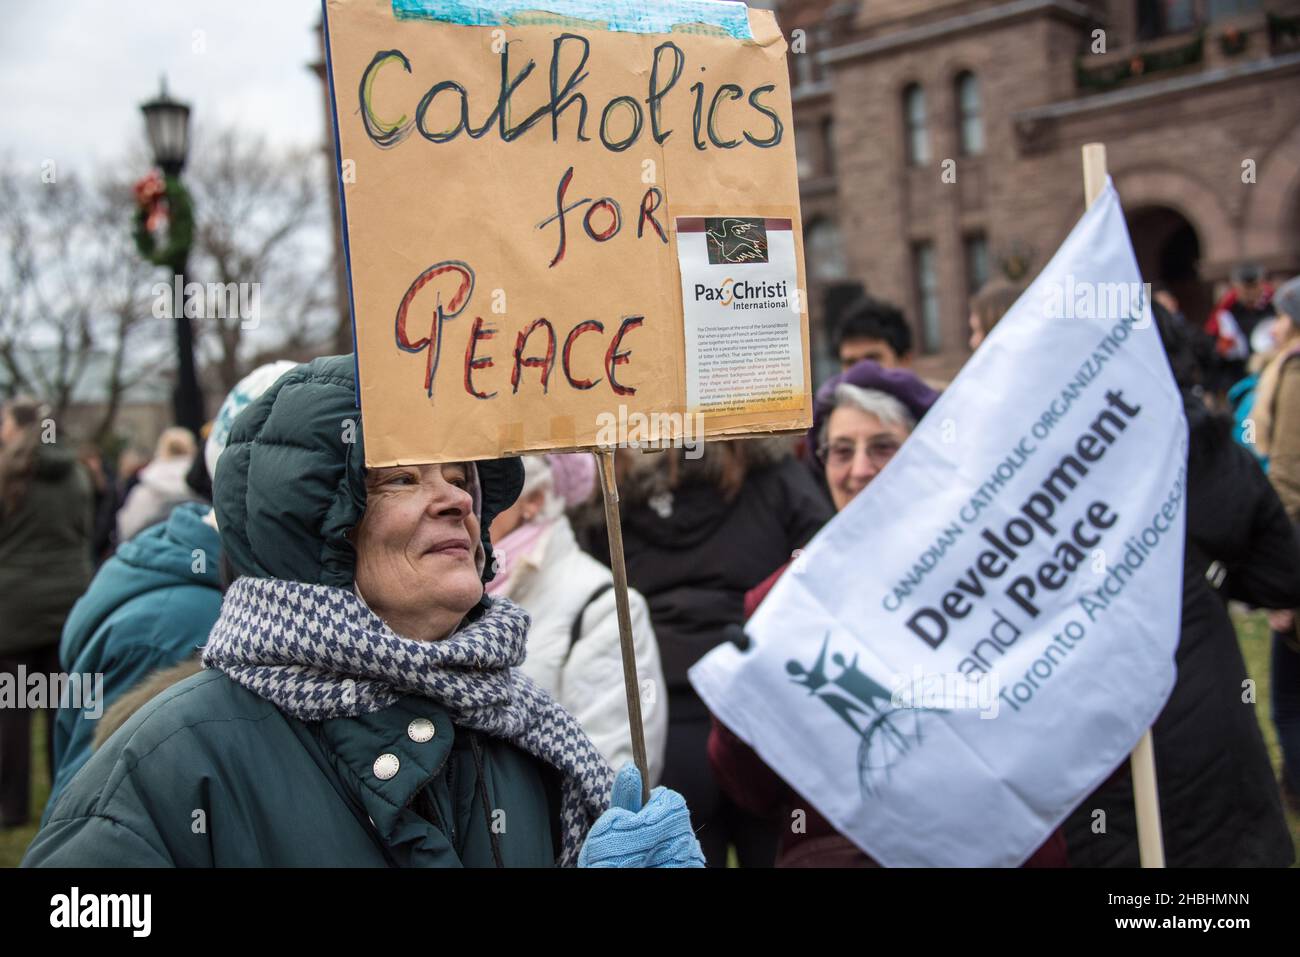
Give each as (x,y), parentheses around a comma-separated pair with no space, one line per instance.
(973,645)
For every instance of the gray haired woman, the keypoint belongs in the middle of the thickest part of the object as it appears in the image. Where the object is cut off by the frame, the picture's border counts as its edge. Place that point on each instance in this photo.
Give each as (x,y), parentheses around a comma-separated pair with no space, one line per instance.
(362,704)
(864,430)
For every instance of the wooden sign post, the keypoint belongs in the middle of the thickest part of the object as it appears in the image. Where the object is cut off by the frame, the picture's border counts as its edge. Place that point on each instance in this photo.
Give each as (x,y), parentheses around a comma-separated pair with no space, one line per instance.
(631,685)
(1146,798)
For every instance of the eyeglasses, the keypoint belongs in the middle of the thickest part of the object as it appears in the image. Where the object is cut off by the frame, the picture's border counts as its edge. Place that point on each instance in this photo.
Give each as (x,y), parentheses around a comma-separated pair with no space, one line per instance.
(879,451)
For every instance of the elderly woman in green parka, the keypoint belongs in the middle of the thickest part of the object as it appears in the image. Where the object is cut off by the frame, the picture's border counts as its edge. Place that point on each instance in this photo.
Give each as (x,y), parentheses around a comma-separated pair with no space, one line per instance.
(361,704)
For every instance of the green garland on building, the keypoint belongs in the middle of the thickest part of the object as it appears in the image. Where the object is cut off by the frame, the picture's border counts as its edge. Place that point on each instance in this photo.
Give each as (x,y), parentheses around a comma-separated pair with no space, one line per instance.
(1113,74)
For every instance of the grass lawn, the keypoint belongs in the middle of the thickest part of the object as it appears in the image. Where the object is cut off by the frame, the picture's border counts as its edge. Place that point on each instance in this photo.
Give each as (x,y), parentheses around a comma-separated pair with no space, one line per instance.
(1251,629)
(13,843)
(1257,645)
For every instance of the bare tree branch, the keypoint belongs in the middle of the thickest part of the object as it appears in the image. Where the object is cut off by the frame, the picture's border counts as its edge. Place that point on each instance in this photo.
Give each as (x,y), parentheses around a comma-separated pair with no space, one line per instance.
(74,305)
(262,219)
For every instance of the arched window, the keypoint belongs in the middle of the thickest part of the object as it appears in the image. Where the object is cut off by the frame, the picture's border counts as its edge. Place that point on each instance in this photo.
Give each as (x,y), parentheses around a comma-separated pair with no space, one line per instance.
(824,252)
(918,143)
(970,115)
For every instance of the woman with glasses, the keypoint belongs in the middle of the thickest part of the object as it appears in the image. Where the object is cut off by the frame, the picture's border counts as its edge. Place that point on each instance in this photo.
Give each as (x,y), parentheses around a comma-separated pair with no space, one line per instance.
(864,431)
(861,418)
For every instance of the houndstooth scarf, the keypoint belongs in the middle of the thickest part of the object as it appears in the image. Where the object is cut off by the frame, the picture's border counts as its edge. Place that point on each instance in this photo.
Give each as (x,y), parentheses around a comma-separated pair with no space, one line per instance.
(318,652)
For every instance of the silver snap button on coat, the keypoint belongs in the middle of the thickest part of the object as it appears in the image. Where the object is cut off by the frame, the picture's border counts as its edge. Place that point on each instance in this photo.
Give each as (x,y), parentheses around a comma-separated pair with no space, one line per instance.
(420,730)
(386,766)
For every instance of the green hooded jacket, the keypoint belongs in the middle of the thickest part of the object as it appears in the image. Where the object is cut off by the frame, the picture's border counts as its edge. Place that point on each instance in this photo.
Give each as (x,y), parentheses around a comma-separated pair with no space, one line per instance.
(209,774)
(44,553)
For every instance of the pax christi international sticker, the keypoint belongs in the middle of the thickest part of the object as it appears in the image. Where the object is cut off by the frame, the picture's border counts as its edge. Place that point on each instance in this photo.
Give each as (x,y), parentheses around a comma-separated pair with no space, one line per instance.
(740,306)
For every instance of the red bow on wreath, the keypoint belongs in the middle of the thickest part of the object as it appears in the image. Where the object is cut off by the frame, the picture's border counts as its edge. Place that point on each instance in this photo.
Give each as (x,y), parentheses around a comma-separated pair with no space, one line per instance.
(163,213)
(151,196)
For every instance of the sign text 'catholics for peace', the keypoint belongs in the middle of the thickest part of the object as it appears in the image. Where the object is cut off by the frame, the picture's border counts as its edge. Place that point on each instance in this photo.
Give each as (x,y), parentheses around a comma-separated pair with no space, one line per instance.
(602,219)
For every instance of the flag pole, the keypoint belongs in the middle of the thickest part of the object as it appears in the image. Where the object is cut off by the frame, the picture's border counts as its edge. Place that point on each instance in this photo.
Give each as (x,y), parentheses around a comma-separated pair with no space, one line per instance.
(1151,850)
(609,491)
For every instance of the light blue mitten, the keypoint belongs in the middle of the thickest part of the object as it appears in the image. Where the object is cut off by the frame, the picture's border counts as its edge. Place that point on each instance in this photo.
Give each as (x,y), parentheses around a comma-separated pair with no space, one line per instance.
(629,835)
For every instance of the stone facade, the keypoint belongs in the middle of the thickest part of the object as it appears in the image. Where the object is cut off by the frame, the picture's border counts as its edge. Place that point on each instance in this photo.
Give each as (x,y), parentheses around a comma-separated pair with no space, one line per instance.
(1196,102)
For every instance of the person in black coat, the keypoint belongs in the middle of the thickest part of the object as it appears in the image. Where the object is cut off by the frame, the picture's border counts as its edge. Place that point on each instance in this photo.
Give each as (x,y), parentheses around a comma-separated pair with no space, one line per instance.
(1219,801)
(697,535)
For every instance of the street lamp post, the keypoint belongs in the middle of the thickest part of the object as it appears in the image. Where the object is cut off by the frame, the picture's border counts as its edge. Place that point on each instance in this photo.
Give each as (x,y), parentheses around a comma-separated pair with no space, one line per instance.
(167,126)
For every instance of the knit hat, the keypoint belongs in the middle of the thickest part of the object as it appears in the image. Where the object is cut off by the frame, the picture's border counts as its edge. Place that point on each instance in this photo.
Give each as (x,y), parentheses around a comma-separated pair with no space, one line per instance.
(248,389)
(903,385)
(573,476)
(567,479)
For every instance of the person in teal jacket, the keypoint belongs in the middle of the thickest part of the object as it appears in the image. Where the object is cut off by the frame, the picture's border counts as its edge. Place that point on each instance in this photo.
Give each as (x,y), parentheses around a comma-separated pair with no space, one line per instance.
(150,606)
(361,703)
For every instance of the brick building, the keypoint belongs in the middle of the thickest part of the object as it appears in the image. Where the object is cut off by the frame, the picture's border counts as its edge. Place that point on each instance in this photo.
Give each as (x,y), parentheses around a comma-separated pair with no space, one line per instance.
(939,144)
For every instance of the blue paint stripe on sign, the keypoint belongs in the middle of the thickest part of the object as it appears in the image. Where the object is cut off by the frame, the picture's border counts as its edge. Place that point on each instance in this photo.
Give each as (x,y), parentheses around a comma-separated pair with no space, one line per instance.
(627,16)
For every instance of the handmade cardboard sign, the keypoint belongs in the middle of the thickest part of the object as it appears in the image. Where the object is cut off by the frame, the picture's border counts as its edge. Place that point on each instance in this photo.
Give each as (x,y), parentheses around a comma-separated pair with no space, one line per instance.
(563,219)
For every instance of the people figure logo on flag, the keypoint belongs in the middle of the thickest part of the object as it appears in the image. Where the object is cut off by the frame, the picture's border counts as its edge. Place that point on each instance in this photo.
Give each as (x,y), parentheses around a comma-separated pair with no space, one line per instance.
(887,732)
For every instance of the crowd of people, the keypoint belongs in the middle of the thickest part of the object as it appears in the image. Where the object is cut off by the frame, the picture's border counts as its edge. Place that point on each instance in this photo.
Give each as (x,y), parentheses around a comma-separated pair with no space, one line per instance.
(309,662)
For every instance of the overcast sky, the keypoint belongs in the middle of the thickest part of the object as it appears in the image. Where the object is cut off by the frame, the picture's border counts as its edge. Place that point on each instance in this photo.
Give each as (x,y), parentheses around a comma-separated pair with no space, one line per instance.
(74,72)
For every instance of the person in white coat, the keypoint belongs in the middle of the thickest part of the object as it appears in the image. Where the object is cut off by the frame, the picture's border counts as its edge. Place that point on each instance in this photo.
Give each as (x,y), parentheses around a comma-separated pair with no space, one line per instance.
(573,644)
(162,485)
